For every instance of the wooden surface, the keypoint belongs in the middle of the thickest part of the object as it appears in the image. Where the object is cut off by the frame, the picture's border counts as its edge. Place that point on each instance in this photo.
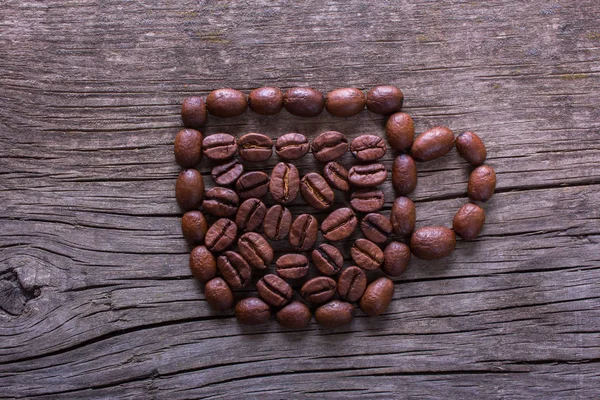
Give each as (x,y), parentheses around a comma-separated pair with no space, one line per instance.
(96,298)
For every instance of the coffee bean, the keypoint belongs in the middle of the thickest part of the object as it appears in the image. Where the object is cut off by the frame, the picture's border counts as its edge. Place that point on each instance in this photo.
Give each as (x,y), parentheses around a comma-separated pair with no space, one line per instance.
(376,227)
(368,147)
(292,266)
(303,232)
(284,183)
(337,176)
(219,147)
(433,143)
(221,202)
(189,189)
(266,100)
(403,216)
(368,175)
(256,250)
(367,200)
(334,314)
(318,290)
(396,258)
(252,311)
(316,192)
(218,295)
(228,173)
(377,297)
(432,242)
(226,102)
(366,254)
(345,102)
(468,221)
(188,148)
(295,315)
(193,112)
(203,264)
(304,102)
(384,99)
(291,146)
(471,148)
(352,283)
(482,183)
(252,184)
(400,131)
(329,145)
(255,147)
(277,222)
(220,235)
(274,290)
(404,174)
(234,269)
(327,259)
(339,225)
(250,215)
(194,226)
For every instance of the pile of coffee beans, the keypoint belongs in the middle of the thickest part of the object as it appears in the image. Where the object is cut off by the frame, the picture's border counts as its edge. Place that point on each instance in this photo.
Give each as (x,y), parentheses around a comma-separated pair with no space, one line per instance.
(233,229)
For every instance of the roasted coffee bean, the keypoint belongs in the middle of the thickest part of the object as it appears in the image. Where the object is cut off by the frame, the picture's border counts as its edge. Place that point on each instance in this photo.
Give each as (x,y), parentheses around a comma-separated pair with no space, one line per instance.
(384,99)
(252,311)
(318,290)
(327,259)
(339,225)
(377,297)
(194,226)
(218,295)
(255,147)
(403,216)
(376,227)
(367,200)
(368,175)
(234,269)
(193,112)
(226,102)
(189,189)
(396,258)
(188,148)
(284,183)
(329,145)
(366,254)
(266,100)
(291,146)
(220,235)
(292,266)
(219,147)
(334,314)
(368,147)
(203,264)
(404,174)
(337,176)
(228,173)
(220,201)
(316,192)
(256,250)
(432,242)
(400,131)
(274,290)
(295,315)
(482,183)
(345,102)
(277,222)
(471,148)
(250,215)
(469,221)
(433,143)
(303,232)
(352,283)
(252,184)
(304,102)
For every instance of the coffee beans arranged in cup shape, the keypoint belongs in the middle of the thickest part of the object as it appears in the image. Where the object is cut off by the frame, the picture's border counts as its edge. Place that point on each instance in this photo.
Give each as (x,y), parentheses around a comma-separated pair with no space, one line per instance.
(194,226)
(291,146)
(285,183)
(404,174)
(316,192)
(255,147)
(256,250)
(277,222)
(220,235)
(471,148)
(250,215)
(252,311)
(329,145)
(304,102)
(220,201)
(203,264)
(433,143)
(318,290)
(219,147)
(234,269)
(368,175)
(432,242)
(368,147)
(468,221)
(189,189)
(367,200)
(396,257)
(482,183)
(327,259)
(345,102)
(218,295)
(384,99)
(337,176)
(334,314)
(226,103)
(376,227)
(193,112)
(228,173)
(252,184)
(188,148)
(403,216)
(400,131)
(292,266)
(303,232)
(274,290)
(339,225)
(352,283)
(377,297)
(295,315)
(266,100)
(366,254)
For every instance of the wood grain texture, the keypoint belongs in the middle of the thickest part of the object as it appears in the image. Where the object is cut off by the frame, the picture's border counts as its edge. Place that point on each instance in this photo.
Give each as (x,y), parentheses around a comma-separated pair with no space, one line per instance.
(96,298)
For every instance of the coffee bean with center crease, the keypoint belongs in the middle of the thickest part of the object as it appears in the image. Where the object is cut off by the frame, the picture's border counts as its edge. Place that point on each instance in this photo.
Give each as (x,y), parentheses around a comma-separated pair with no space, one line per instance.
(256,250)
(334,314)
(202,264)
(250,215)
(376,227)
(366,254)
(396,258)
(255,147)
(218,295)
(292,266)
(226,102)
(188,148)
(329,145)
(404,174)
(337,176)
(367,200)
(252,311)
(304,102)
(228,173)
(327,259)
(303,232)
(234,269)
(318,290)
(469,221)
(368,147)
(193,112)
(377,296)
(384,99)
(471,148)
(252,184)
(482,183)
(219,147)
(403,216)
(266,100)
(221,202)
(433,143)
(339,225)
(189,189)
(352,283)
(277,222)
(345,102)
(316,192)
(220,235)
(291,146)
(432,242)
(194,226)
(284,183)
(295,315)
(274,290)
(367,175)
(400,131)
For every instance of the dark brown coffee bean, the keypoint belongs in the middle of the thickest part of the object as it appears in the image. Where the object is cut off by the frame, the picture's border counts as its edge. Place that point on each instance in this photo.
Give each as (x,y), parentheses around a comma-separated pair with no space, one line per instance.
(266,100)
(218,295)
(396,257)
(432,242)
(256,250)
(291,146)
(221,202)
(352,283)
(250,215)
(194,226)
(220,235)
(203,264)
(334,314)
(252,184)
(295,315)
(304,102)
(376,227)
(469,221)
(345,102)
(255,147)
(189,189)
(403,216)
(377,297)
(337,176)
(318,290)
(193,112)
(327,259)
(226,102)
(471,148)
(368,147)
(400,131)
(234,269)
(404,174)
(274,290)
(285,183)
(303,232)
(228,173)
(482,183)
(188,148)
(219,147)
(277,222)
(252,311)
(329,145)
(339,225)
(368,175)
(366,254)
(292,266)
(385,99)
(367,200)
(433,143)
(316,192)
